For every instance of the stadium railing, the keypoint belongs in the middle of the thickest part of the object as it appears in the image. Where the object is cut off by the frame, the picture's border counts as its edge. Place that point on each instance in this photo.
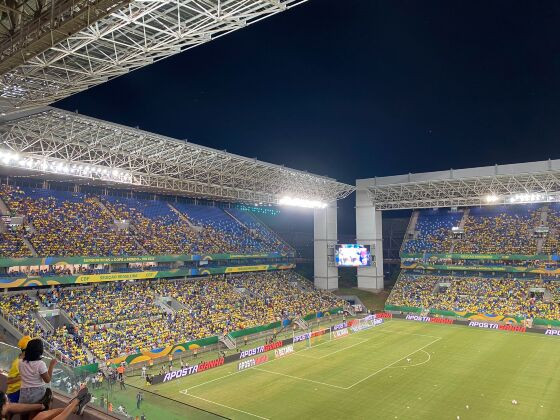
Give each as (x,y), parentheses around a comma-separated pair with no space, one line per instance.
(108,397)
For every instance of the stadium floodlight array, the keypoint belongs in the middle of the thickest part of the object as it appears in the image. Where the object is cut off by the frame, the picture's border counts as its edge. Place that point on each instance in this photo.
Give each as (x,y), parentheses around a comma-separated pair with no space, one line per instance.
(522,198)
(60,167)
(301,202)
(156,163)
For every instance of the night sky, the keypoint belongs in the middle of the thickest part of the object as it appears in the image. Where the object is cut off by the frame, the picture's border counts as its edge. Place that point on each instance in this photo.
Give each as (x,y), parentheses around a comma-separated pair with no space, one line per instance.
(360,88)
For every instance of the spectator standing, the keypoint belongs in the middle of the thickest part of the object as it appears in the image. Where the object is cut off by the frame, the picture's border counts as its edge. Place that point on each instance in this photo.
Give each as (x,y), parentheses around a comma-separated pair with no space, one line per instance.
(14,380)
(34,372)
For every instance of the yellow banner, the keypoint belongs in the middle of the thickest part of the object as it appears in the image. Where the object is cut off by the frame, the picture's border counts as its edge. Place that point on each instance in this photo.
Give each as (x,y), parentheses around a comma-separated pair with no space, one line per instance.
(245,268)
(97,278)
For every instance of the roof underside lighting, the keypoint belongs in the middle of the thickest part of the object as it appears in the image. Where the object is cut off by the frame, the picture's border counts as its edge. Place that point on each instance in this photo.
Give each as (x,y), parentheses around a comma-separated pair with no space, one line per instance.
(61,167)
(301,202)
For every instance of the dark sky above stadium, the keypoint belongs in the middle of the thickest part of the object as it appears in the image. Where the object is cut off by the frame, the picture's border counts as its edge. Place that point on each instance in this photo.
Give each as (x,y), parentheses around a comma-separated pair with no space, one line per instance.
(360,88)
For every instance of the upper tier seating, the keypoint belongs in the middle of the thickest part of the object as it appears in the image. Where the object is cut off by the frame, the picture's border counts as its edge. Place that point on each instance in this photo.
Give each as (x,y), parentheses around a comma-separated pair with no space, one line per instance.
(59,223)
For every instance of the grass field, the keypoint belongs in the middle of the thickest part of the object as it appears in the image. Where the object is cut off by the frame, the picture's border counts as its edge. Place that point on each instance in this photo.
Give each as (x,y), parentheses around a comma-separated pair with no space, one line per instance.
(399,370)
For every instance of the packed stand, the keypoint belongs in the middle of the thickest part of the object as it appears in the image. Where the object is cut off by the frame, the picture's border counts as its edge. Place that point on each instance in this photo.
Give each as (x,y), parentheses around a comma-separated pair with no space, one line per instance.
(59,223)
(126,317)
(500,230)
(527,298)
(64,223)
(21,311)
(433,231)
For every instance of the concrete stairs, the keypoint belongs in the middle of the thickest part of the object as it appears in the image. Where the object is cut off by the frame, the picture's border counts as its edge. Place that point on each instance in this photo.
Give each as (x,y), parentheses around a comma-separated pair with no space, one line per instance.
(237,220)
(463,221)
(301,323)
(131,226)
(162,302)
(228,341)
(256,219)
(411,229)
(542,221)
(4,210)
(42,321)
(29,246)
(461,226)
(185,218)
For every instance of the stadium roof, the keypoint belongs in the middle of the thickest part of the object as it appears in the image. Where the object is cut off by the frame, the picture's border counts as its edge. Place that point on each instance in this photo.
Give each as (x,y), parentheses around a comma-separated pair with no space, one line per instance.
(58,144)
(48,53)
(489,185)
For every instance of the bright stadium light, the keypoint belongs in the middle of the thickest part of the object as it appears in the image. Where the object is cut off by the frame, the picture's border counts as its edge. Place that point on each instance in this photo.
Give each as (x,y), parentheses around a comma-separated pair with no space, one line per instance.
(530,198)
(8,158)
(492,198)
(300,202)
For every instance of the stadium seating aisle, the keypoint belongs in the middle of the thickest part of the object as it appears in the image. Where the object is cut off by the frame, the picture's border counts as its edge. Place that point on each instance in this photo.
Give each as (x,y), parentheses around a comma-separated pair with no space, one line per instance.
(121,318)
(434,231)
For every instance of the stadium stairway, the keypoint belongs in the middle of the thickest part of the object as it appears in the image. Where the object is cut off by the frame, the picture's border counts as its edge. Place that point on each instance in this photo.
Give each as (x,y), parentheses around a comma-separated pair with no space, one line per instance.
(543,221)
(228,341)
(244,226)
(98,202)
(411,232)
(461,226)
(301,323)
(42,321)
(276,235)
(4,211)
(164,303)
(185,219)
(29,246)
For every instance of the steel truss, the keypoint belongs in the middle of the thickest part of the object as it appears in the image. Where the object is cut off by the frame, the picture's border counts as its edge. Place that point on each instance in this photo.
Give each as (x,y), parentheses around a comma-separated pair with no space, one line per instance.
(138,34)
(466,192)
(160,163)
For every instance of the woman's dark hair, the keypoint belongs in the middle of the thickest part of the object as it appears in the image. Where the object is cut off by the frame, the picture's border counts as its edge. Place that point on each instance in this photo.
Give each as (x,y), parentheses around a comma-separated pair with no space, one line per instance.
(34,350)
(3,398)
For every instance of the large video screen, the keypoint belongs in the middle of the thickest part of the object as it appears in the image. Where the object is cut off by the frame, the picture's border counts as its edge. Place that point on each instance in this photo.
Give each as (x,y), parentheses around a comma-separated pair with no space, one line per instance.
(352,255)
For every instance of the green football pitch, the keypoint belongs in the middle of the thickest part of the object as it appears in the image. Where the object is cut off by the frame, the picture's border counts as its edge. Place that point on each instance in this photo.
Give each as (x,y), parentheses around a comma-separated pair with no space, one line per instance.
(398,370)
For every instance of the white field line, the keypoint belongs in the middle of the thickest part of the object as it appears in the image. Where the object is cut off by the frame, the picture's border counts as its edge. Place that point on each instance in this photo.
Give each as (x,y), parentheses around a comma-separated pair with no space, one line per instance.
(298,378)
(212,380)
(391,364)
(185,391)
(239,371)
(362,341)
(407,333)
(226,406)
(416,364)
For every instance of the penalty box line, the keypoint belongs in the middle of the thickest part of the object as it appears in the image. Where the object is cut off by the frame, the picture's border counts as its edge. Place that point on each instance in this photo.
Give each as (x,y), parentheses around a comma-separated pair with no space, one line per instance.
(391,364)
(185,391)
(379,328)
(362,341)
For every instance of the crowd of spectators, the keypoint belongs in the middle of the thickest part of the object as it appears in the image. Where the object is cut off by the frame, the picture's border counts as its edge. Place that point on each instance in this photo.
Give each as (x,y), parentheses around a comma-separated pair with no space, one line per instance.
(526,298)
(59,223)
(551,243)
(433,231)
(499,230)
(22,311)
(124,317)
